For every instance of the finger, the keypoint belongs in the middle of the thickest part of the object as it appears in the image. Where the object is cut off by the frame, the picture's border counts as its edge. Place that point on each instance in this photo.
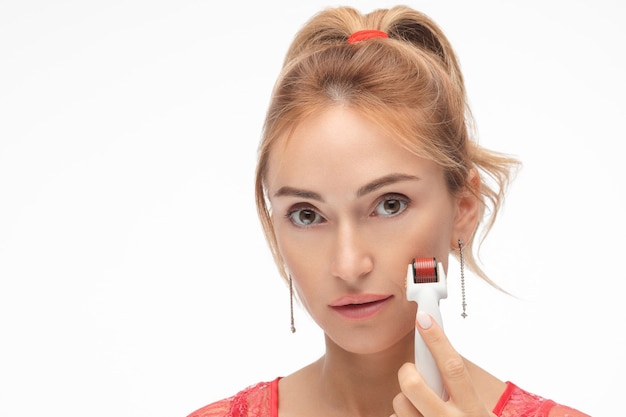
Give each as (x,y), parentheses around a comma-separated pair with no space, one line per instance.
(415,390)
(451,365)
(403,407)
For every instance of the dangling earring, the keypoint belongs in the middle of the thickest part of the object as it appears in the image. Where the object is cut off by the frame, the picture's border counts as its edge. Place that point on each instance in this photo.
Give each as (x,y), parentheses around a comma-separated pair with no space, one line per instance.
(293,326)
(462,262)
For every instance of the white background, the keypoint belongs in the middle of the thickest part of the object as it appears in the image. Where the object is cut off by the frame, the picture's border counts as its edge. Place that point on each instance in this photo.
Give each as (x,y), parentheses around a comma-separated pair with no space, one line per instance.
(134,278)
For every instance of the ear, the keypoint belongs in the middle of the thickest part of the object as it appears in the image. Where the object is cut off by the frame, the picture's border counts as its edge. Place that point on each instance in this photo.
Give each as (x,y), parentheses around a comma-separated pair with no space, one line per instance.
(468,206)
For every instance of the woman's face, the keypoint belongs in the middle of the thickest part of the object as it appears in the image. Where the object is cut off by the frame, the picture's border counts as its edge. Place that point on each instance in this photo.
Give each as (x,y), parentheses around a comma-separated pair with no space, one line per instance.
(351,208)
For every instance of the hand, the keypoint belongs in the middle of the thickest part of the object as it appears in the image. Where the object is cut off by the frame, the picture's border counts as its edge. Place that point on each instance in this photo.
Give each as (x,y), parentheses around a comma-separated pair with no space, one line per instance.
(418,400)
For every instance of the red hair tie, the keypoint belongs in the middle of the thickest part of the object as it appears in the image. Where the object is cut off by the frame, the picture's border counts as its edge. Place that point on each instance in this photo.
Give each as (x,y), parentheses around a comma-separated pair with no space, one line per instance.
(363,35)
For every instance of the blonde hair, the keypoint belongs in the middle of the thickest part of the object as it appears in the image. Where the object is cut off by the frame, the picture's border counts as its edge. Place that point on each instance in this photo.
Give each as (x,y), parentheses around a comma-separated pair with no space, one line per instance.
(410,84)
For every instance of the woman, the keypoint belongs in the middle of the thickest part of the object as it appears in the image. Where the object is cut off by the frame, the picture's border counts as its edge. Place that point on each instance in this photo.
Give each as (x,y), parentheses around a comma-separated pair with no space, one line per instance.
(367,162)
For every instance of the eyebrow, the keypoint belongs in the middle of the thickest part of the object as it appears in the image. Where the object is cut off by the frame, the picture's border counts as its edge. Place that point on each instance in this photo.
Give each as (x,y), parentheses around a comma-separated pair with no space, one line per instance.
(366,189)
(383,181)
(296,192)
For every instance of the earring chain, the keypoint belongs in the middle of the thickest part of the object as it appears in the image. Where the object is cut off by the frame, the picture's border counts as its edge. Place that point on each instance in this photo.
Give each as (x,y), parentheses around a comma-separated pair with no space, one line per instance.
(462,262)
(293,325)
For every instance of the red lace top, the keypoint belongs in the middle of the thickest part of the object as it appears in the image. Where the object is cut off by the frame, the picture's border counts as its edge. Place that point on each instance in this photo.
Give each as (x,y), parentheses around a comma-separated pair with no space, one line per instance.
(261,400)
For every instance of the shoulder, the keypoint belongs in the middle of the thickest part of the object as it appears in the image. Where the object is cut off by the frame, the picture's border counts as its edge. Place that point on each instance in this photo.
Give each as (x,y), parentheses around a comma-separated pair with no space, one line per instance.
(217,409)
(259,400)
(520,403)
(563,411)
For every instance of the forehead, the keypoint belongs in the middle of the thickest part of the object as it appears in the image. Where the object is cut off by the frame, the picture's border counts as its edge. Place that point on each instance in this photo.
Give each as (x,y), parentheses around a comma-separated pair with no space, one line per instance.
(340,145)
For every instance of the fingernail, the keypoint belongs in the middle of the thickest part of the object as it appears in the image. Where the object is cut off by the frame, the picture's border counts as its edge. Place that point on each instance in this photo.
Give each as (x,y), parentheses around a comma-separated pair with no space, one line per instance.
(424,320)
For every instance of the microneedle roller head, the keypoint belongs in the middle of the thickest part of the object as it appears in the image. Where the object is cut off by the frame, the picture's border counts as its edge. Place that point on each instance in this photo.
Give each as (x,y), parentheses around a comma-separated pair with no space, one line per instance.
(425,270)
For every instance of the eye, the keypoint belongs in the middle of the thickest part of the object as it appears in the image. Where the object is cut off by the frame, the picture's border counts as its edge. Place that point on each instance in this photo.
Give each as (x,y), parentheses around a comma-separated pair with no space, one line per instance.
(390,206)
(304,217)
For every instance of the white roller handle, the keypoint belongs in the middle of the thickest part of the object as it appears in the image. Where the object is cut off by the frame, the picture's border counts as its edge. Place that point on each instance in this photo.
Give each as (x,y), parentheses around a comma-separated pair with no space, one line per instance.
(428,302)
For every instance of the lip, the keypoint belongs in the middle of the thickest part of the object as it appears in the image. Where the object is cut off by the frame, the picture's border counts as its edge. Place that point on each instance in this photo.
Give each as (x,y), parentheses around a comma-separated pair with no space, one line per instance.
(360,306)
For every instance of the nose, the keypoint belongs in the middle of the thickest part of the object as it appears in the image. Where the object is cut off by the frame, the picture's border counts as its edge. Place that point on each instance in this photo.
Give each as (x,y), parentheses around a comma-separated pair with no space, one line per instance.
(351,257)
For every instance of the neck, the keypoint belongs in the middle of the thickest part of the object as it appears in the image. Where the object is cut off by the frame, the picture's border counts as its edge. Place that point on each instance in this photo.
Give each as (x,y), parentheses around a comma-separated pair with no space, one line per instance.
(363,384)
(347,384)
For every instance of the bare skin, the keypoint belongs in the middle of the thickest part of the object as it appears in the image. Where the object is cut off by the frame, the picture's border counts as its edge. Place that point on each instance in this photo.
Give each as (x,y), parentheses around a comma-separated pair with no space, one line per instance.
(368,389)
(350,209)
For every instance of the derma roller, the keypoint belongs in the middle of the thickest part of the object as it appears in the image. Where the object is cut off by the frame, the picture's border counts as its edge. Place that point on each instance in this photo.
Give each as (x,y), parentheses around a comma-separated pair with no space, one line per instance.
(426,285)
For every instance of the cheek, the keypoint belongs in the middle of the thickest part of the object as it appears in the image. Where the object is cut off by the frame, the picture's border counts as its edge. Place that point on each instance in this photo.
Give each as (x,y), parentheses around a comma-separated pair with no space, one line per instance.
(307,272)
(303,259)
(296,249)
(421,235)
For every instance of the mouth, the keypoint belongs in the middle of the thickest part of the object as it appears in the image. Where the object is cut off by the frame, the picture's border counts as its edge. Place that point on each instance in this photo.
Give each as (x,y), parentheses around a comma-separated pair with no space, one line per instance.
(360,307)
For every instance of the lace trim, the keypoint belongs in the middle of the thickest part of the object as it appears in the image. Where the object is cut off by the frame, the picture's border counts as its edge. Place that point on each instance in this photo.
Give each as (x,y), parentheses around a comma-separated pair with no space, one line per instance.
(261,400)
(258,400)
(515,402)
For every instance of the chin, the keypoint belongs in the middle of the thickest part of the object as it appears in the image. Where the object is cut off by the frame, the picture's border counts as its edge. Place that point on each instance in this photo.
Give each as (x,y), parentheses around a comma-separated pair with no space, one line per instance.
(373,341)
